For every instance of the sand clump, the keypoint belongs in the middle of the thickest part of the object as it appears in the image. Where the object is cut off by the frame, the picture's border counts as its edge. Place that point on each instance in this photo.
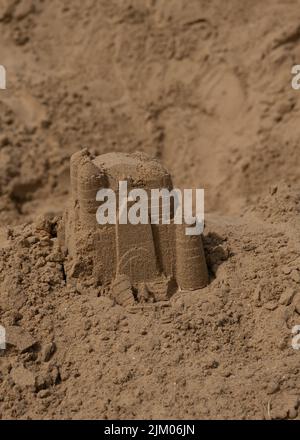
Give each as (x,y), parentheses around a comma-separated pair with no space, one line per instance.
(204,88)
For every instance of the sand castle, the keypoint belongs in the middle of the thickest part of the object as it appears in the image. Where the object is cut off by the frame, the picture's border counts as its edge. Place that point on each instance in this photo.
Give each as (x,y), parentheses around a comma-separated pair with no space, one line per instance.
(138,261)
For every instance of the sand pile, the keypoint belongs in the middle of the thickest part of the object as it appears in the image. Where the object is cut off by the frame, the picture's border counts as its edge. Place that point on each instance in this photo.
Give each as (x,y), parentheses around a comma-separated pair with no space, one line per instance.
(223,351)
(204,87)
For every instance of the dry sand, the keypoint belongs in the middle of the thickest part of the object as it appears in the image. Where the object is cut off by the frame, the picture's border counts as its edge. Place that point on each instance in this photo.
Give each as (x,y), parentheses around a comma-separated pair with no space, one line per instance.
(204,87)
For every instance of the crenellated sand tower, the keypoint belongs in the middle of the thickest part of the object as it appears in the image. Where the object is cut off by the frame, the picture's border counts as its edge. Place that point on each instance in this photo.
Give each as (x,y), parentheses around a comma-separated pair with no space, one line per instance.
(160,258)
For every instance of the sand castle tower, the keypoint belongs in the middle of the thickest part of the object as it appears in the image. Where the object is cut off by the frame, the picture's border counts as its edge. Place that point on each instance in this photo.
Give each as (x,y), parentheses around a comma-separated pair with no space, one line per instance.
(155,258)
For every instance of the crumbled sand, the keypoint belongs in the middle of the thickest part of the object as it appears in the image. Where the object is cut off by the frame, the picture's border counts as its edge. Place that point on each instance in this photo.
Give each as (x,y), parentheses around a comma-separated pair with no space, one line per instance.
(205,88)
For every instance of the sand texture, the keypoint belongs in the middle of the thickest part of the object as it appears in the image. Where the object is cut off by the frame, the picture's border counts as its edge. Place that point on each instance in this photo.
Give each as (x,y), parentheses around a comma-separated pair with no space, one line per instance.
(201,89)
